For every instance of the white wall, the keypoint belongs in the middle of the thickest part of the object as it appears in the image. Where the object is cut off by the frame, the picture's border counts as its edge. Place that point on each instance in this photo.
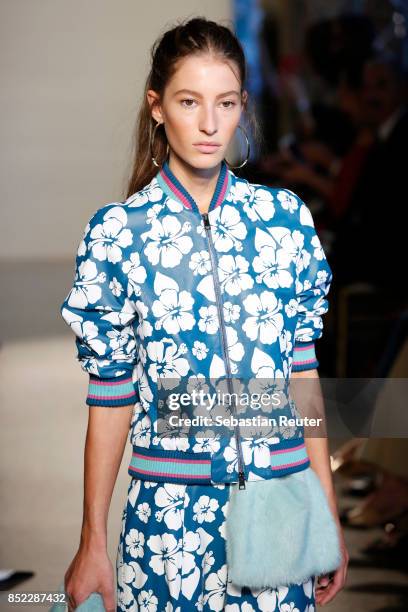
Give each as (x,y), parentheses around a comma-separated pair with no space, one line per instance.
(72,74)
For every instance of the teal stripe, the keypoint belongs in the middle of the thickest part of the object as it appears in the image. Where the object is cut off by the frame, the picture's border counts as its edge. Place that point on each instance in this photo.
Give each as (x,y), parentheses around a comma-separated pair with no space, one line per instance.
(304,355)
(110,390)
(172,467)
(291,456)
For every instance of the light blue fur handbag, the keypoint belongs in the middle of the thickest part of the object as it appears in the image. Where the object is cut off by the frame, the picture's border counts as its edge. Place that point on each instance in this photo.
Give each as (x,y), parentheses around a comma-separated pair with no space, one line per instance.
(280,531)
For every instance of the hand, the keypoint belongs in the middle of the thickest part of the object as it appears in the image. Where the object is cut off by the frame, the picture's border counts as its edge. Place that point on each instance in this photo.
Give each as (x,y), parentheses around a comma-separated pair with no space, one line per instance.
(328,585)
(90,571)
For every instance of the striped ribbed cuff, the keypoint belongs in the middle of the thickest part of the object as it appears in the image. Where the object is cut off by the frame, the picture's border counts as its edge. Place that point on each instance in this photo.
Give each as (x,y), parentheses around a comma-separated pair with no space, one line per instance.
(304,356)
(117,391)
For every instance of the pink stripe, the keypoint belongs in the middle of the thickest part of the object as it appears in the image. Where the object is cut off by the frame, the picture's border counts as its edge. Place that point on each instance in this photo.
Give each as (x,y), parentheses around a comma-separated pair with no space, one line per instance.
(177,191)
(304,348)
(305,361)
(173,459)
(110,384)
(108,397)
(167,473)
(286,450)
(285,465)
(223,190)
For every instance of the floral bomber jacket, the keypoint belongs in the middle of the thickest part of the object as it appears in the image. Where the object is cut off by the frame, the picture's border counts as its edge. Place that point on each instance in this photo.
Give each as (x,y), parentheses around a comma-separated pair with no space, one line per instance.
(164,294)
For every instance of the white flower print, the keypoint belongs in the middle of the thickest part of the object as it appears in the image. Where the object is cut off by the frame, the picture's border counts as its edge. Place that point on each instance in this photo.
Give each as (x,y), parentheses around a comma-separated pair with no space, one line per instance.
(289,607)
(215,585)
(266,320)
(256,450)
(228,230)
(204,509)
(167,241)
(150,193)
(291,308)
(107,239)
(208,322)
(240,191)
(260,205)
(231,312)
(200,263)
(235,348)
(233,274)
(208,561)
(288,200)
(173,306)
(143,511)
(199,350)
(86,289)
(172,311)
(135,272)
(170,497)
(166,557)
(134,543)
(147,601)
(167,361)
(276,250)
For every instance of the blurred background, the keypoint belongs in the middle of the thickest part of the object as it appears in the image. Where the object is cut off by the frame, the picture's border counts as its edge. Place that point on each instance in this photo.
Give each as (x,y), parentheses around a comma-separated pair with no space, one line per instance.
(328,83)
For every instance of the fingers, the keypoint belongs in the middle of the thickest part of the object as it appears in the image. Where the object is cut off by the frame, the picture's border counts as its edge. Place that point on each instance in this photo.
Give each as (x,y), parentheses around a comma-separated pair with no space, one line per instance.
(326,594)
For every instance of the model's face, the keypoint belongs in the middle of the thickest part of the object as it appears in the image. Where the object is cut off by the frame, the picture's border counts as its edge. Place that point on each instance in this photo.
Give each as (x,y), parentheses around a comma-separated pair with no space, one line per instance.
(201,104)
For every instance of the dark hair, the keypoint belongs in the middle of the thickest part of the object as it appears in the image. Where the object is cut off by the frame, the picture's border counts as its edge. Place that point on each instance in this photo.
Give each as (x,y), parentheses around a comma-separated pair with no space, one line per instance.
(194,37)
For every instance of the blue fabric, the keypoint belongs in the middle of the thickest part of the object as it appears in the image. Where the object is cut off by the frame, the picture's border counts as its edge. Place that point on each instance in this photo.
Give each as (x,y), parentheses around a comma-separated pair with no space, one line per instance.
(178,304)
(93,603)
(172,555)
(281,530)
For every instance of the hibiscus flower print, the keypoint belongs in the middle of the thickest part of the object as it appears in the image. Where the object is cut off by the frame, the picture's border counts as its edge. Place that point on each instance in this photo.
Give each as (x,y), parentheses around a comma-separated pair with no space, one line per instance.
(86,289)
(167,241)
(167,362)
(107,239)
(228,230)
(204,509)
(266,320)
(288,200)
(208,322)
(199,350)
(233,274)
(135,272)
(200,263)
(134,543)
(260,205)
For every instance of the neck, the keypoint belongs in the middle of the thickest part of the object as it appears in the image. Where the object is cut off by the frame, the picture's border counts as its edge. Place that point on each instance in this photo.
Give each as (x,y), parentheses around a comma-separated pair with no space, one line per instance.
(199,182)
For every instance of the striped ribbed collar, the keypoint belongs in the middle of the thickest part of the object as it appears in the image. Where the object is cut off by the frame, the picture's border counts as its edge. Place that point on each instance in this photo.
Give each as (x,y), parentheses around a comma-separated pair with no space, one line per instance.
(174,189)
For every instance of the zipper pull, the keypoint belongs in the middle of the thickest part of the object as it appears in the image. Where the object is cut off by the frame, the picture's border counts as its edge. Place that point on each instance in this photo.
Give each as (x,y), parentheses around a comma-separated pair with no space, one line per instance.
(205,217)
(241,478)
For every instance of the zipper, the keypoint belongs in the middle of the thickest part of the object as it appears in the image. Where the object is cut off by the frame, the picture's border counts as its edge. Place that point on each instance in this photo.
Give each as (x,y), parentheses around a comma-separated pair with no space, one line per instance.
(241,472)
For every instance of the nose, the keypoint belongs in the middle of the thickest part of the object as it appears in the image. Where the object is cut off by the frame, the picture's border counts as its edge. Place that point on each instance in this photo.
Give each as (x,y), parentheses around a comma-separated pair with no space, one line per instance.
(208,120)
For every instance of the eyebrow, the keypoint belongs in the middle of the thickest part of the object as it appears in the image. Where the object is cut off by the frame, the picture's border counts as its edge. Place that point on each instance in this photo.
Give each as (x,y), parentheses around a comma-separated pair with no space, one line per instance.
(196,93)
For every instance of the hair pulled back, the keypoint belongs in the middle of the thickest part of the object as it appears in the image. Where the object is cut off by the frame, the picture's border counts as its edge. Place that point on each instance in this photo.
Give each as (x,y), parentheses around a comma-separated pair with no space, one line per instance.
(194,37)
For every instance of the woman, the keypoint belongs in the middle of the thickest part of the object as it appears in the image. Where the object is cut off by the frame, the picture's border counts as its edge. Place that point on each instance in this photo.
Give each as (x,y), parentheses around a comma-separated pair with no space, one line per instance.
(163,290)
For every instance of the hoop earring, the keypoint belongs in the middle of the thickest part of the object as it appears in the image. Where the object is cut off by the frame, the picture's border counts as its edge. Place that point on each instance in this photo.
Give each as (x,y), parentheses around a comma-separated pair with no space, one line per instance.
(248,150)
(153,134)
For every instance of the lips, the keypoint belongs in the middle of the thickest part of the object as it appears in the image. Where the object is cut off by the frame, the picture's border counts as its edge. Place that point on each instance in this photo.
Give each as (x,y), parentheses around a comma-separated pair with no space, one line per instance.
(207,148)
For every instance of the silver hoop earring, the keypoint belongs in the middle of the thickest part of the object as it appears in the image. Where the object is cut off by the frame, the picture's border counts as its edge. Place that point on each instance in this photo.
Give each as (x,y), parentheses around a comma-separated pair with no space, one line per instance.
(248,150)
(153,134)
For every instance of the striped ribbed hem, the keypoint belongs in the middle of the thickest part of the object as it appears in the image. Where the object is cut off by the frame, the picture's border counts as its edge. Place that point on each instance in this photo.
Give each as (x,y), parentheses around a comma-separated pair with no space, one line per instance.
(289,456)
(304,356)
(163,465)
(174,188)
(117,391)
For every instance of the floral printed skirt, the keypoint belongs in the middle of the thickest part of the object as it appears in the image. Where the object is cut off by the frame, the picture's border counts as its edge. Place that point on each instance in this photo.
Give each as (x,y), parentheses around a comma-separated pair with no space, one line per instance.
(172,555)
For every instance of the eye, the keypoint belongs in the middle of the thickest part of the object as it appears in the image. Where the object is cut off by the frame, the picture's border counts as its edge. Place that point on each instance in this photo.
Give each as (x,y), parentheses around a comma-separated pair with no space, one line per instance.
(187,100)
(228,102)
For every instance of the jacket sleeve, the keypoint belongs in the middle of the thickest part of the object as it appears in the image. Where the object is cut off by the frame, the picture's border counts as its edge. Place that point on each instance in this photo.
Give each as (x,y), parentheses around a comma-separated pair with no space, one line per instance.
(314,277)
(99,311)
